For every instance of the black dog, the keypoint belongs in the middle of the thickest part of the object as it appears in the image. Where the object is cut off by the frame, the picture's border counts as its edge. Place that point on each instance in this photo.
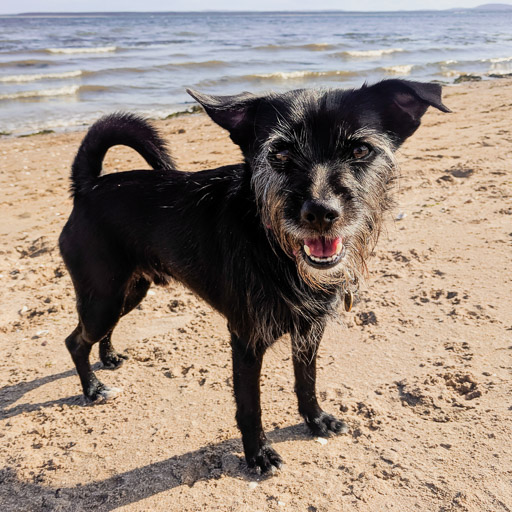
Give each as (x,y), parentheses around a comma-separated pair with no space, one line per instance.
(272,243)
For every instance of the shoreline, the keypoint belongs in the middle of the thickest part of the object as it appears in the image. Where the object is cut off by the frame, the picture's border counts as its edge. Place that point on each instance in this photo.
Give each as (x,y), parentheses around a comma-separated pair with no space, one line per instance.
(195,109)
(191,110)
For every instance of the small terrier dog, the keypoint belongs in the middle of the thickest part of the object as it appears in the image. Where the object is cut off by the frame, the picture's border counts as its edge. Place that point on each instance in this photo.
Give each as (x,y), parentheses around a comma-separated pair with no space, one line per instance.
(274,243)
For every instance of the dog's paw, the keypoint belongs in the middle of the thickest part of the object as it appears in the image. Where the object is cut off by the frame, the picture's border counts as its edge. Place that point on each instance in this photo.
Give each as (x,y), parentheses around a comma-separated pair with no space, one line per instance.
(102,392)
(326,424)
(113,360)
(266,460)
(108,393)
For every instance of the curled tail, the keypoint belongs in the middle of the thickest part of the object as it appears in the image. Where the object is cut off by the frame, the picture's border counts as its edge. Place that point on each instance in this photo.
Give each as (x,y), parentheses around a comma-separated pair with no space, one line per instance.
(112,130)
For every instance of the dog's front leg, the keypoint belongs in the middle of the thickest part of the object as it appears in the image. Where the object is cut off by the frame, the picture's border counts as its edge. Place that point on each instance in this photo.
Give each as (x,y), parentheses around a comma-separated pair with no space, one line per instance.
(305,343)
(246,383)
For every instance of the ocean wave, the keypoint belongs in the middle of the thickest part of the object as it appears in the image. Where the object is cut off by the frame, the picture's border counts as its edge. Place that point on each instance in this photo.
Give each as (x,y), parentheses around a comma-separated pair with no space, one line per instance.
(294,75)
(366,54)
(403,70)
(450,73)
(95,88)
(501,67)
(155,44)
(25,63)
(56,124)
(197,64)
(98,49)
(155,68)
(498,60)
(315,47)
(40,76)
(496,65)
(43,93)
(278,76)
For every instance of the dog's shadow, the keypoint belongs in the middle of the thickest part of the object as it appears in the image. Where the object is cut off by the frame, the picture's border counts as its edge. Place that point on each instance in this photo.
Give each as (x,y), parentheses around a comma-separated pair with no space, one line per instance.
(207,463)
(11,394)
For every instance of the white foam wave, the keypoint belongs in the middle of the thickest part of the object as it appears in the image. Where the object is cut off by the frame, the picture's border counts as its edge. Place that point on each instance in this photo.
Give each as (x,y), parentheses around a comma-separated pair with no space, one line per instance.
(281,75)
(62,91)
(503,68)
(98,49)
(36,77)
(371,53)
(58,124)
(451,72)
(399,70)
(316,47)
(498,60)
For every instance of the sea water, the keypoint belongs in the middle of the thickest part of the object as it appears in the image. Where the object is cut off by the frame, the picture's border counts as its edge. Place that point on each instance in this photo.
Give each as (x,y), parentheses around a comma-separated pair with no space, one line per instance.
(63,71)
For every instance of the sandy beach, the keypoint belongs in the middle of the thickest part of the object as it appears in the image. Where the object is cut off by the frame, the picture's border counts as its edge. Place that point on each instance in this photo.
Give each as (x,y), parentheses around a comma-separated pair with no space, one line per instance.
(420,370)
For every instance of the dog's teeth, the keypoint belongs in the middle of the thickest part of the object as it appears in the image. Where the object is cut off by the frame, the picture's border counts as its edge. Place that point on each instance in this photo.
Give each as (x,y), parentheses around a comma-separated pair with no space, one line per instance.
(329,259)
(307,250)
(339,247)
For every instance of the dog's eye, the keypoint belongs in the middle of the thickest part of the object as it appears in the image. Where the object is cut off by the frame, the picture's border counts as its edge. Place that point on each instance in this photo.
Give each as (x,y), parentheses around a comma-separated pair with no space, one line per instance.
(282,156)
(361,151)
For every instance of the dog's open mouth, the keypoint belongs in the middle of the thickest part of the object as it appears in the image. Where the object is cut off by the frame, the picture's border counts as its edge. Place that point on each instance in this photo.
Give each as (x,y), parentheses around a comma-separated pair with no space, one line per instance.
(323,252)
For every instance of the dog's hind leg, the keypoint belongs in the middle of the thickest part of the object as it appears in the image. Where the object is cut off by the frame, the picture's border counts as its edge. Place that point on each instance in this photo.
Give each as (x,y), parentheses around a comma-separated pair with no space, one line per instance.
(108,355)
(98,317)
(110,358)
(247,362)
(305,342)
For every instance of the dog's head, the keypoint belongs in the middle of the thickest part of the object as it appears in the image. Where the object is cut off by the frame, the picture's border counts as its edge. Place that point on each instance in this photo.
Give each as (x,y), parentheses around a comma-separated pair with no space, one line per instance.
(322,163)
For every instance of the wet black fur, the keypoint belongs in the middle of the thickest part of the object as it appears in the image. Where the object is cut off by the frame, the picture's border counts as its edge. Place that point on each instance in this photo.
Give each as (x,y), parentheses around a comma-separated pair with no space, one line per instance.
(206,230)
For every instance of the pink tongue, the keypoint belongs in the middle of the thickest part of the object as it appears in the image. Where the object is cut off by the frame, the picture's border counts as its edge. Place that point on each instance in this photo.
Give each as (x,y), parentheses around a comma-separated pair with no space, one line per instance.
(322,247)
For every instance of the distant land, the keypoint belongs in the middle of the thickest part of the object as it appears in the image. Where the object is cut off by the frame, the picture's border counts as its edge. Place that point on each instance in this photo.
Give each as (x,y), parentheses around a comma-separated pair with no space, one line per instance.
(494,7)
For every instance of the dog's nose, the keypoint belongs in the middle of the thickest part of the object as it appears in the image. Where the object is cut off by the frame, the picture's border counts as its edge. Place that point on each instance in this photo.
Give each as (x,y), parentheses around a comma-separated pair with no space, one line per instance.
(318,215)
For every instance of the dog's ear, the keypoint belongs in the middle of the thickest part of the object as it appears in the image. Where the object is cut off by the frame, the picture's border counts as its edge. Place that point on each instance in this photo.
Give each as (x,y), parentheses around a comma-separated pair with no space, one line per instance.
(402,103)
(233,113)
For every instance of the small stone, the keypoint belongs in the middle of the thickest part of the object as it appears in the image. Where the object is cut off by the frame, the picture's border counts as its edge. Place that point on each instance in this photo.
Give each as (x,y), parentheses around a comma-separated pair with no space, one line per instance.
(253,485)
(473,394)
(321,440)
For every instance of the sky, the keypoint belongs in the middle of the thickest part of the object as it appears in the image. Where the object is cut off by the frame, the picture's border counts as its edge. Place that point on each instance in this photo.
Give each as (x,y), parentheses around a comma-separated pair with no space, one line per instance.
(18,6)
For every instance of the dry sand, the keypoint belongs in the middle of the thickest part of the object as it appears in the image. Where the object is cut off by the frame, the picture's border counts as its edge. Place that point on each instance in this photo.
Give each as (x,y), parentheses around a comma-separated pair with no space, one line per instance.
(421,370)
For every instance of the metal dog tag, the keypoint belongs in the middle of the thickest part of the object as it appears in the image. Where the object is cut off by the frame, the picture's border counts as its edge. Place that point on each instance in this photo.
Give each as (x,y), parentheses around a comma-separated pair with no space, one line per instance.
(348,300)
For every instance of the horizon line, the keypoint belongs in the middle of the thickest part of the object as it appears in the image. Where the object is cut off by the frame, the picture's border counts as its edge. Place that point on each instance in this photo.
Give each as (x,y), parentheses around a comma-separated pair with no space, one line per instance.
(250,11)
